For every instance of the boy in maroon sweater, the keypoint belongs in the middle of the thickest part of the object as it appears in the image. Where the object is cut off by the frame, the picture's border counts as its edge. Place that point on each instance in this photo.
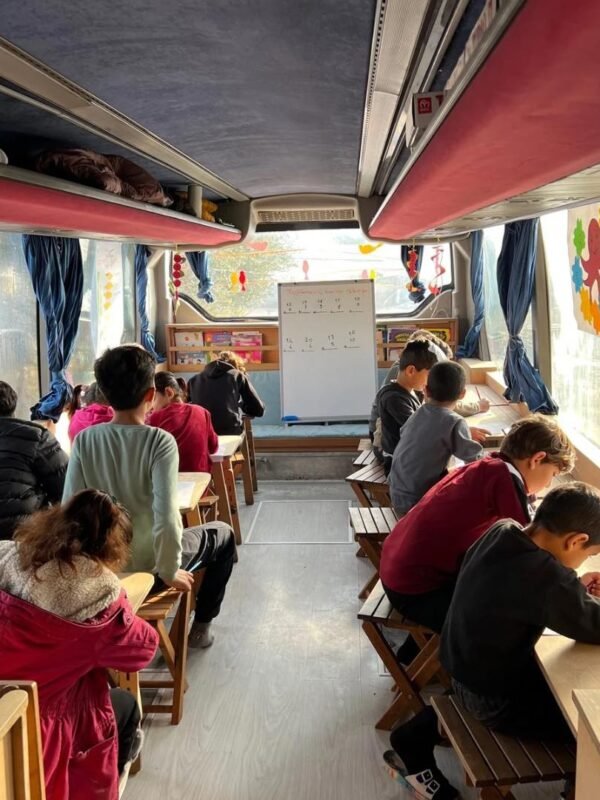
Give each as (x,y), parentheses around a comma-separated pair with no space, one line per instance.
(422,556)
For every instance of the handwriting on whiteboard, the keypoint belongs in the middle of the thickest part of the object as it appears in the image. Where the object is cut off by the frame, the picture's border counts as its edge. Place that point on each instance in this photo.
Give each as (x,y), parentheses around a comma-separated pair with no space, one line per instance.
(314,342)
(327,302)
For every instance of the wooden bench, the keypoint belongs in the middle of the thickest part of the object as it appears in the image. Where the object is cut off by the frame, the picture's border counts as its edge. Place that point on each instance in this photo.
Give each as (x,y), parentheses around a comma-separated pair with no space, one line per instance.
(21,764)
(378,613)
(370,486)
(173,645)
(494,762)
(371,527)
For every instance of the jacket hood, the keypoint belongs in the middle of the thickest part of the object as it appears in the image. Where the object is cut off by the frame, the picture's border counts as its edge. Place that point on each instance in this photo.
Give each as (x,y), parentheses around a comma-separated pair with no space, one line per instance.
(77,595)
(178,416)
(95,413)
(216,369)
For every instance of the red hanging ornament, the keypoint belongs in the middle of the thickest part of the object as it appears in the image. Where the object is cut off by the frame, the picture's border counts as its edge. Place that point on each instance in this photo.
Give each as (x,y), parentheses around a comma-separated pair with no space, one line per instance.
(177,274)
(364,275)
(438,254)
(305,269)
(243,280)
(412,263)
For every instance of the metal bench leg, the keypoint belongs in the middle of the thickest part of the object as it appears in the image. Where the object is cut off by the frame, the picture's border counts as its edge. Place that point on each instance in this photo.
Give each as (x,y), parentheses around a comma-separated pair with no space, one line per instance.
(408,698)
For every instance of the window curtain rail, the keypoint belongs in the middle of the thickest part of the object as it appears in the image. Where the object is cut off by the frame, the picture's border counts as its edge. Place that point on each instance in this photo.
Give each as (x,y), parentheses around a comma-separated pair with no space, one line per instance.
(142,254)
(470,347)
(516,279)
(56,271)
(416,288)
(198,261)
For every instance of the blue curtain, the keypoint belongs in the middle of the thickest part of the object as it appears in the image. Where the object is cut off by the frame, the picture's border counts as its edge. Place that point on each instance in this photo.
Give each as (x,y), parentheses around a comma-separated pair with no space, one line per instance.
(199,264)
(516,279)
(56,272)
(470,347)
(417,289)
(142,254)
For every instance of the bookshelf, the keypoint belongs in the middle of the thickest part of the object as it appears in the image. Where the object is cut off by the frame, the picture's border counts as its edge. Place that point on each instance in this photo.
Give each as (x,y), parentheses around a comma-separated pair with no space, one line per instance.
(387,351)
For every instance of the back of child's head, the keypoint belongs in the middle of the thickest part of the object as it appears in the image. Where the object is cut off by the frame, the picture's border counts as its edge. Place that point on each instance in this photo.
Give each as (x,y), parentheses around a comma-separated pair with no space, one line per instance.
(446,382)
(8,400)
(539,434)
(424,335)
(94,395)
(124,375)
(166,380)
(234,359)
(571,508)
(419,355)
(90,524)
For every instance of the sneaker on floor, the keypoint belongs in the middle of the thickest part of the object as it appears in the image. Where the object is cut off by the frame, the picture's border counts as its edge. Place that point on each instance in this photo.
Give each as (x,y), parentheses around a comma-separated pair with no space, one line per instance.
(200,636)
(427,785)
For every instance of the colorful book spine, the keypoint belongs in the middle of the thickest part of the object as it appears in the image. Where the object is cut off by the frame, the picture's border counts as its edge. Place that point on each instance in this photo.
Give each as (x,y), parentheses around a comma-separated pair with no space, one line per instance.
(248,339)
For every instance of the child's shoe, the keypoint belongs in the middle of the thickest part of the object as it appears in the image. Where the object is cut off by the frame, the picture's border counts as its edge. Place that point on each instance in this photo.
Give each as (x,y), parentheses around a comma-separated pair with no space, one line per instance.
(200,635)
(429,784)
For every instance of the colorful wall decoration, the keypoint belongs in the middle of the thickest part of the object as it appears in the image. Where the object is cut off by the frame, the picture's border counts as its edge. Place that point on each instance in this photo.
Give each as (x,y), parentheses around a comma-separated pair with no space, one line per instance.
(584,263)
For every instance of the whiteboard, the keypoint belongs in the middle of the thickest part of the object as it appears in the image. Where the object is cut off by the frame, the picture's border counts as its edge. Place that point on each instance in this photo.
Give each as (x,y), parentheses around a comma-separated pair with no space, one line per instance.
(328,353)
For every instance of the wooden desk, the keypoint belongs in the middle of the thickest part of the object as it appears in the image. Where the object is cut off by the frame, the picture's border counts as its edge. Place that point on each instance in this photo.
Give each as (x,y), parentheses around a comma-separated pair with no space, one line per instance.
(224,482)
(137,585)
(249,447)
(500,416)
(569,665)
(588,745)
(190,489)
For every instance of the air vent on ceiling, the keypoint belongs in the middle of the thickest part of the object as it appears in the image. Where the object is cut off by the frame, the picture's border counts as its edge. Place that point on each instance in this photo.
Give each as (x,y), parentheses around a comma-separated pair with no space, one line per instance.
(306,215)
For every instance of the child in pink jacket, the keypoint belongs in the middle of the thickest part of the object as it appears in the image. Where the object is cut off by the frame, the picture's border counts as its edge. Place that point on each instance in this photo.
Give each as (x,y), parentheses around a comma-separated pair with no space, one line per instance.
(65,620)
(92,409)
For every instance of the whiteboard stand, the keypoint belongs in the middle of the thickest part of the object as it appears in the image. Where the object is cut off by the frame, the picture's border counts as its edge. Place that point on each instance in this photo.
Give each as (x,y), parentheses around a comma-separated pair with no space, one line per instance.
(328,351)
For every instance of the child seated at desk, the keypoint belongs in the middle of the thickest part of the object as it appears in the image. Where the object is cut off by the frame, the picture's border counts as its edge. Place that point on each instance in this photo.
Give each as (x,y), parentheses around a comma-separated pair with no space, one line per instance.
(433,434)
(422,555)
(190,425)
(513,583)
(65,620)
(396,401)
(224,390)
(138,465)
(91,409)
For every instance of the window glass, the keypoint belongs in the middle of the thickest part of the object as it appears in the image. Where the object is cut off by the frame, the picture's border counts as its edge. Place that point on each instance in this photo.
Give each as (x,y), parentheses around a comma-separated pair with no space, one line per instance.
(495,326)
(575,353)
(272,258)
(108,308)
(18,324)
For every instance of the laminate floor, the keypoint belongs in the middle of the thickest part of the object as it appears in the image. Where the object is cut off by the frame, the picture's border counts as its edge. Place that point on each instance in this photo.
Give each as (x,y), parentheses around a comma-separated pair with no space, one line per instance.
(282,707)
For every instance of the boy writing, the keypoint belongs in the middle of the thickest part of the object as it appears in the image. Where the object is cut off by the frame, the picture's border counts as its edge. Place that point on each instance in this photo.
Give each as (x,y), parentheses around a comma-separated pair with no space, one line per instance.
(422,555)
(514,582)
(138,465)
(396,401)
(428,439)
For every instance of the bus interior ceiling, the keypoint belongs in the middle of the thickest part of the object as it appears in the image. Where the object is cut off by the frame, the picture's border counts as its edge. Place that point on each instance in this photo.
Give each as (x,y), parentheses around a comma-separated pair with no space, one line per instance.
(295,116)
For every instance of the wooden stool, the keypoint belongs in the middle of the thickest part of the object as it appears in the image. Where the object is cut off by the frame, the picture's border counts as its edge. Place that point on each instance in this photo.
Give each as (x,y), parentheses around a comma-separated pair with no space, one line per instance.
(173,644)
(494,762)
(371,527)
(241,466)
(251,454)
(21,742)
(370,485)
(378,613)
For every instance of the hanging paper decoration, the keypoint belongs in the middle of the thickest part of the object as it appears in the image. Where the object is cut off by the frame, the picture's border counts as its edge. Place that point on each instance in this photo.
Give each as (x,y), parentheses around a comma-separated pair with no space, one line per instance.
(367,249)
(243,279)
(177,273)
(108,293)
(584,266)
(260,247)
(364,275)
(438,253)
(372,274)
(412,263)
(305,269)
(234,280)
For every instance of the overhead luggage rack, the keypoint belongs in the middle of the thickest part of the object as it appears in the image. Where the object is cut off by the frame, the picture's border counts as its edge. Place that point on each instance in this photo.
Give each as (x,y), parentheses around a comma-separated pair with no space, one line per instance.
(34,203)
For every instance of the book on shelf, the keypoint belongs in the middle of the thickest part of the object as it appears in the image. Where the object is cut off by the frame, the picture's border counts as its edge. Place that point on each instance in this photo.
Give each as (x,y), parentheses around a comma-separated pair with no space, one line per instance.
(189,339)
(220,340)
(248,339)
(191,358)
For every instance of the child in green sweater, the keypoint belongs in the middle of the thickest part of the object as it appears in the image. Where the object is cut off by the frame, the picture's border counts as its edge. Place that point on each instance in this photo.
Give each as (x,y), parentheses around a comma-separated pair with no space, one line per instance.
(138,465)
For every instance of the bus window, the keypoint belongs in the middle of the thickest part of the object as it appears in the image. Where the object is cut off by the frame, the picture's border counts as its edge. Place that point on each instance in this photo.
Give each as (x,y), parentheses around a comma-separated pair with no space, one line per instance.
(108,309)
(495,326)
(18,334)
(273,258)
(575,354)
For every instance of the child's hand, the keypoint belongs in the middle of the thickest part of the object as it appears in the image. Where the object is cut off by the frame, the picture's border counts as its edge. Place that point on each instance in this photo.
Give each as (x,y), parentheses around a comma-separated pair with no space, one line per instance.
(479,434)
(183,581)
(591,581)
(484,405)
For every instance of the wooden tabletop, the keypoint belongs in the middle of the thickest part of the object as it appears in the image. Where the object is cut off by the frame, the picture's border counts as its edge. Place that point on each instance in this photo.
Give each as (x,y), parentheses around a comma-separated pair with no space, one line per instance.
(190,488)
(228,445)
(137,585)
(568,665)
